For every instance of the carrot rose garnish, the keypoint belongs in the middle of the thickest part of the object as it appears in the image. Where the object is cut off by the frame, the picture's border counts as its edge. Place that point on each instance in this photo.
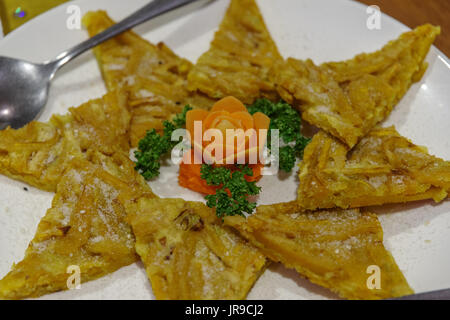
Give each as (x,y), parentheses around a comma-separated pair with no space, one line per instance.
(226,135)
(225,160)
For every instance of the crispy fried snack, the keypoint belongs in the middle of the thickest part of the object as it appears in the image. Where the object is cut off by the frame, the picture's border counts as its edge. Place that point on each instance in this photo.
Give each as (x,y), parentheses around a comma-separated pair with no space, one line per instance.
(347,99)
(39,153)
(85,227)
(154,76)
(240,58)
(103,123)
(188,254)
(383,168)
(331,248)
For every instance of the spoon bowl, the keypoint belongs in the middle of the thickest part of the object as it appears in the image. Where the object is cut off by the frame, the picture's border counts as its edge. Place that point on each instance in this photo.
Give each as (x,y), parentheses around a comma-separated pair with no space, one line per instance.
(23,91)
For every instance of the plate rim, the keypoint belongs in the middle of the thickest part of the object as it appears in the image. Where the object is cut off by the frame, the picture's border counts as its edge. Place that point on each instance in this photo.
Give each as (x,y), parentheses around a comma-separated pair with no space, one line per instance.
(44,15)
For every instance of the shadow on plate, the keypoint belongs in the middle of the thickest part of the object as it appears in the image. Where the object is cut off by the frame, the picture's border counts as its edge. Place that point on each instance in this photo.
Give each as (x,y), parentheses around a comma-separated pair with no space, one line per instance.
(100,287)
(312,288)
(403,217)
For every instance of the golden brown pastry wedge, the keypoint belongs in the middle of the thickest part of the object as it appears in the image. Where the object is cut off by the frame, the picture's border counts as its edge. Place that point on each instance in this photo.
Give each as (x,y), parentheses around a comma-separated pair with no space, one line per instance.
(337,249)
(103,123)
(383,167)
(347,99)
(189,254)
(39,153)
(240,58)
(85,228)
(154,76)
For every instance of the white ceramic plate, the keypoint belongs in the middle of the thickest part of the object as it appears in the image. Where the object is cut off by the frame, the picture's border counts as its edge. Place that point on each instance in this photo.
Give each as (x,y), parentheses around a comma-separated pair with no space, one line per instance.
(418,234)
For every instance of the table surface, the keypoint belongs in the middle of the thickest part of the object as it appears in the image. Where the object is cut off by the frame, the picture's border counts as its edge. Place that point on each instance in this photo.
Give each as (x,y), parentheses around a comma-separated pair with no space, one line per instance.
(416,12)
(413,13)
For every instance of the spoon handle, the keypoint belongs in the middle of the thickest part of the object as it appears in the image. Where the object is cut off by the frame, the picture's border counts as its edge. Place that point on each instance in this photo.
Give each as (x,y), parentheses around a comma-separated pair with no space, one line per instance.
(151,10)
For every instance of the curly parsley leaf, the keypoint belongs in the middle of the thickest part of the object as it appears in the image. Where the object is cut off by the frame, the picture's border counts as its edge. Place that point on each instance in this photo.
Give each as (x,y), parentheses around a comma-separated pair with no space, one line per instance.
(154,146)
(287,158)
(284,118)
(180,119)
(232,197)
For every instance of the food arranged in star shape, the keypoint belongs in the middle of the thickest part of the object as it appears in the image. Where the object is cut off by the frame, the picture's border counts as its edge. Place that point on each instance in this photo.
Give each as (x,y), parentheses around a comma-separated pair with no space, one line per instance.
(105,216)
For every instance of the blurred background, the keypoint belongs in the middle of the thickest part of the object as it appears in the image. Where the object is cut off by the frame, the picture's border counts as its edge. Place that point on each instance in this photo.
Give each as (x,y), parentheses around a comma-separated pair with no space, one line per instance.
(416,12)
(14,13)
(412,13)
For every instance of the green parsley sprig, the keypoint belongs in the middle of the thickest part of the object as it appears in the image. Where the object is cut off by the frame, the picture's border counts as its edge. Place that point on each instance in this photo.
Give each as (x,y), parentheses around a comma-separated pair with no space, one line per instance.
(287,120)
(154,146)
(232,197)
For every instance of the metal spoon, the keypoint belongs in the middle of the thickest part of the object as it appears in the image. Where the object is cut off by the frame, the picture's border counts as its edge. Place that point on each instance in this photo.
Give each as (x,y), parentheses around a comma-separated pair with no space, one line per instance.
(24,86)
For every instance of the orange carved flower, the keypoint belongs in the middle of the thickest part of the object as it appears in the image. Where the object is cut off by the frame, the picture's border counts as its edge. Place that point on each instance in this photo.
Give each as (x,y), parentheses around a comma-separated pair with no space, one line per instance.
(228,115)
(227,133)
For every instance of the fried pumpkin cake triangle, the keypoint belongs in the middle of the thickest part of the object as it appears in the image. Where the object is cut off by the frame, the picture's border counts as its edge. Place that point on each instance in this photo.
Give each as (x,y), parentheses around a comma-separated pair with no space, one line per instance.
(384,167)
(85,228)
(154,76)
(39,153)
(239,59)
(347,99)
(189,254)
(334,248)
